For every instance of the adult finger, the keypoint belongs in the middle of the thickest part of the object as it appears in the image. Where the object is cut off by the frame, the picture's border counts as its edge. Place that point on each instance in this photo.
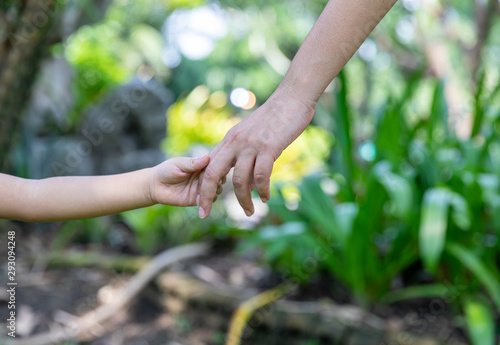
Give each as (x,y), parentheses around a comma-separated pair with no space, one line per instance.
(242,177)
(262,174)
(219,188)
(252,183)
(218,168)
(213,153)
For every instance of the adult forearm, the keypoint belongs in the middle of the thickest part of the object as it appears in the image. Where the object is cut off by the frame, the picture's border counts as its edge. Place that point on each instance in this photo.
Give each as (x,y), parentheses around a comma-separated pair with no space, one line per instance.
(84,197)
(338,33)
(254,144)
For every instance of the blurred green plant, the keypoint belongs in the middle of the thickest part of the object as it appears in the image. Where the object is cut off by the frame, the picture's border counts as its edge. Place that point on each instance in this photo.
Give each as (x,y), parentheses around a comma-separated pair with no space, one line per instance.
(203,118)
(109,53)
(159,226)
(93,230)
(423,196)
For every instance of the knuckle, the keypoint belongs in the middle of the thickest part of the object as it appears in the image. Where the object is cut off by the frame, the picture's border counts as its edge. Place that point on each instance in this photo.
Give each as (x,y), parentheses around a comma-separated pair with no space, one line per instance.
(235,135)
(266,138)
(211,174)
(238,181)
(260,177)
(254,141)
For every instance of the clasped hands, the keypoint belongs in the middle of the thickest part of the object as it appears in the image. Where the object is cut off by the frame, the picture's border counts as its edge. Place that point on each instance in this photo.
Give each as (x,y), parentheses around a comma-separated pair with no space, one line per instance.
(252,147)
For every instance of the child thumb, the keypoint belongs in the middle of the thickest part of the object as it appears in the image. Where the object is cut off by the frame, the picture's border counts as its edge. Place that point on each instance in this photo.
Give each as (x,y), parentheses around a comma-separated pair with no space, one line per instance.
(194,164)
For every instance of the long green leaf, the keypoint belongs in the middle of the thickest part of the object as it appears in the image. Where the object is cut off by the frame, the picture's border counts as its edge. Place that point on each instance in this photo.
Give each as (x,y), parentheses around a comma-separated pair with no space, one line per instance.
(318,207)
(343,145)
(478,105)
(479,317)
(398,188)
(439,111)
(433,224)
(346,213)
(476,266)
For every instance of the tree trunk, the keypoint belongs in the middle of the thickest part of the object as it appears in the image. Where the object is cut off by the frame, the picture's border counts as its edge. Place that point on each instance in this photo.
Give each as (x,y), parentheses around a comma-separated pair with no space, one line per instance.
(23,31)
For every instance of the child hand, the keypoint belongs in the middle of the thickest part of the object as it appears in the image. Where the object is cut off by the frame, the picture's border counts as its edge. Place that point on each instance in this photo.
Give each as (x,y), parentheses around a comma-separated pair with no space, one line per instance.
(175,181)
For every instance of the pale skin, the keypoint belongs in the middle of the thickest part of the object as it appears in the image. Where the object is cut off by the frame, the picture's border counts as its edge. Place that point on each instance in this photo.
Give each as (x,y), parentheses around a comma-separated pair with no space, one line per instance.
(174,182)
(253,145)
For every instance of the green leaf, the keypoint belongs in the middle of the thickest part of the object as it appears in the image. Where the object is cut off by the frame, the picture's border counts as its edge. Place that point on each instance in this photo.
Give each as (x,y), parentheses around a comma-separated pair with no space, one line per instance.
(318,207)
(420,291)
(433,226)
(460,211)
(398,188)
(480,324)
(476,266)
(478,105)
(439,113)
(345,213)
(343,146)
(434,222)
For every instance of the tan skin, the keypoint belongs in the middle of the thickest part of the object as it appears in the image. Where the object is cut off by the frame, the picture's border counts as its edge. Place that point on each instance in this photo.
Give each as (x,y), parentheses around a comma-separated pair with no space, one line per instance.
(173,182)
(253,145)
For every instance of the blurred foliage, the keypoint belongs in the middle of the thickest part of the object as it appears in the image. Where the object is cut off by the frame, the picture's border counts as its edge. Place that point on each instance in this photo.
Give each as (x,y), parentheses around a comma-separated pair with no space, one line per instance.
(203,119)
(156,226)
(200,118)
(371,226)
(420,195)
(97,68)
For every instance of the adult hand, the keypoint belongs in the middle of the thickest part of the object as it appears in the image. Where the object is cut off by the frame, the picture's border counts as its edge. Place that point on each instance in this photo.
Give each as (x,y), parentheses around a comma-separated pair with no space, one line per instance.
(252,147)
(254,144)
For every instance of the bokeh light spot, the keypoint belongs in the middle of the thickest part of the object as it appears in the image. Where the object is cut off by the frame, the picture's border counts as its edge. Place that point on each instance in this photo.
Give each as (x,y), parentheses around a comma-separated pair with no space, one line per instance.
(367,151)
(239,97)
(251,101)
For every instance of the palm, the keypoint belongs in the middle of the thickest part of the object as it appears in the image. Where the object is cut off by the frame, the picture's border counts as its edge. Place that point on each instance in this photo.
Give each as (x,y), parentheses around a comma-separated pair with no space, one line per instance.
(179,189)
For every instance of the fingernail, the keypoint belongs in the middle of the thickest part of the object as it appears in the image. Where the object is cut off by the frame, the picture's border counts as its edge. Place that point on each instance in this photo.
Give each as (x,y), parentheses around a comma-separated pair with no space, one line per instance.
(198,200)
(264,200)
(248,213)
(202,213)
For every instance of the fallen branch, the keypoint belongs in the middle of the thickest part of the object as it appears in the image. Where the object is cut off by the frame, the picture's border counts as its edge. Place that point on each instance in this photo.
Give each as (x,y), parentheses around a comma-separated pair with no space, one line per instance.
(324,318)
(242,315)
(94,319)
(343,324)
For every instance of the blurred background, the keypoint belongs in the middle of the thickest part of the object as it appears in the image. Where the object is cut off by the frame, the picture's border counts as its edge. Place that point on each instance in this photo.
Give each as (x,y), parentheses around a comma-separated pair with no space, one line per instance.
(385,212)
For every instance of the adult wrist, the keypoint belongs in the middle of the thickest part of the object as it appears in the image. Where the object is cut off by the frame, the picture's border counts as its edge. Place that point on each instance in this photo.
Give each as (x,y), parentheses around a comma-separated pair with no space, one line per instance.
(293,93)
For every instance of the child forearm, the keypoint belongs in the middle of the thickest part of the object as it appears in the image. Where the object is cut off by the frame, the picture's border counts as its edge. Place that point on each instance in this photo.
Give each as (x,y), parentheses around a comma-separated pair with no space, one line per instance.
(66,198)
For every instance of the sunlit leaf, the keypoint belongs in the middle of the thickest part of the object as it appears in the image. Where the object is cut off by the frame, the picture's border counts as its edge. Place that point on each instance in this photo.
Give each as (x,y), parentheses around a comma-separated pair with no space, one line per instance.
(434,222)
(479,317)
(346,214)
(433,225)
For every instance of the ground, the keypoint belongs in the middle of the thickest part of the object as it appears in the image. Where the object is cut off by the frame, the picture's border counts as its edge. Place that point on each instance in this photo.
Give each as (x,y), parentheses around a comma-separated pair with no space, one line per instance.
(49,296)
